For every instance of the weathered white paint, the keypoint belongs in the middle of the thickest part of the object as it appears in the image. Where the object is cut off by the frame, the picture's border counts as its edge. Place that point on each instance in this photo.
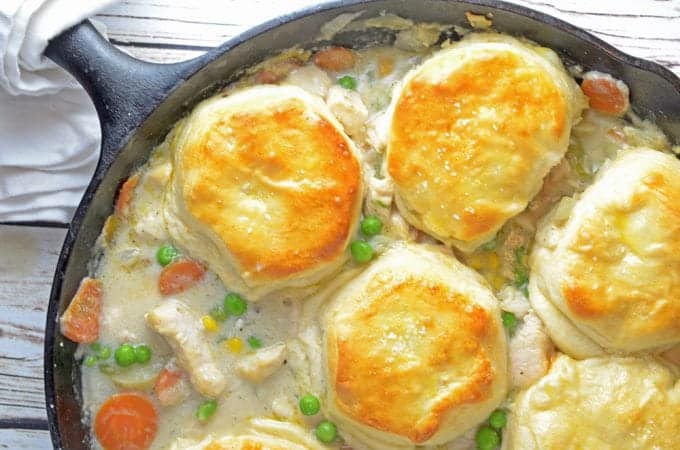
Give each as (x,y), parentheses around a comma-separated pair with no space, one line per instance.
(644,28)
(27,259)
(17,439)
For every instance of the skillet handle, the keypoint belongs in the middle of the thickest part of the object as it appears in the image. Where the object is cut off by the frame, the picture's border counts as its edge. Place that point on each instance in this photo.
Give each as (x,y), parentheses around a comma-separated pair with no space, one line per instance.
(124,90)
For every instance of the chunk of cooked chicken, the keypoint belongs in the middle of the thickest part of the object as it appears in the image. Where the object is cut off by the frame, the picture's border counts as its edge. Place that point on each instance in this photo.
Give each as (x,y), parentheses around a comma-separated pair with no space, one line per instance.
(512,300)
(284,408)
(146,219)
(349,109)
(530,352)
(379,198)
(311,79)
(183,331)
(262,364)
(150,225)
(158,175)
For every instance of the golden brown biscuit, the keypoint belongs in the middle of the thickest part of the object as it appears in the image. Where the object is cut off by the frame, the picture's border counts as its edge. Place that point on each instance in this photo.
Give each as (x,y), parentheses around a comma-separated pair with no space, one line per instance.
(473,132)
(416,352)
(266,188)
(598,404)
(241,442)
(261,434)
(605,269)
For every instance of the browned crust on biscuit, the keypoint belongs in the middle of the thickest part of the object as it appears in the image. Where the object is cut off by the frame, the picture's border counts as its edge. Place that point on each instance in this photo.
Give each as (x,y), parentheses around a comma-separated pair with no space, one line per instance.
(584,301)
(470,165)
(606,287)
(302,168)
(415,351)
(243,444)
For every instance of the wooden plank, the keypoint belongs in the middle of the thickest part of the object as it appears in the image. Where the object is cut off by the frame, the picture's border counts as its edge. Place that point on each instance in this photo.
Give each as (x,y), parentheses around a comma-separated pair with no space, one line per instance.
(25,439)
(645,29)
(27,261)
(160,55)
(186,22)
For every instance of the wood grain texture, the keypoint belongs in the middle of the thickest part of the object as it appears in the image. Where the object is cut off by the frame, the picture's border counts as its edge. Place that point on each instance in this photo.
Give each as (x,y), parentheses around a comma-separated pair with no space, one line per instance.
(185,28)
(27,262)
(167,31)
(18,439)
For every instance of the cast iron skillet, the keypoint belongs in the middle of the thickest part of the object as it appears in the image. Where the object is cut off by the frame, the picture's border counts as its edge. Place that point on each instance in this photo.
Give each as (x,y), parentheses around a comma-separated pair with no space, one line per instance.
(138,103)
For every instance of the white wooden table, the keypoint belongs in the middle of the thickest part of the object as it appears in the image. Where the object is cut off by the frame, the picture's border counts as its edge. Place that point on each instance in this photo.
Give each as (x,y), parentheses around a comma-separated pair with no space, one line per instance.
(167,30)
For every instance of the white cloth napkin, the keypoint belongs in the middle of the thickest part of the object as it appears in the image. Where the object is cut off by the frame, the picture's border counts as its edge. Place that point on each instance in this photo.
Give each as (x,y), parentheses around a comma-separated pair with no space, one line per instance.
(49,133)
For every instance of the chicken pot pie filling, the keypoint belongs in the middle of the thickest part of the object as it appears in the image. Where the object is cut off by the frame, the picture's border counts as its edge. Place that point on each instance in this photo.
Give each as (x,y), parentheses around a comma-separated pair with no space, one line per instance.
(388,247)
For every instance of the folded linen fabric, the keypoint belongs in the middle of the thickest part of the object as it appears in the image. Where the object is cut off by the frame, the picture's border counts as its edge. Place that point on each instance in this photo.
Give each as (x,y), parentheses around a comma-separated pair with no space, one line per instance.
(49,133)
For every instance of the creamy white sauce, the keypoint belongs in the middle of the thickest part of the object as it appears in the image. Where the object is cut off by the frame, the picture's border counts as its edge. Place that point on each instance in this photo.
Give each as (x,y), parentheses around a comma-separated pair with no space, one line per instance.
(129,271)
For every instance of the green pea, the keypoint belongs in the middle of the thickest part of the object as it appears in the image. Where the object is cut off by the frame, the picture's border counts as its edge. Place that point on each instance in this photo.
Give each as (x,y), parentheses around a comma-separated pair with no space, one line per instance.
(487,438)
(166,254)
(362,251)
(104,352)
(521,277)
(498,419)
(521,271)
(309,405)
(125,355)
(348,82)
(142,354)
(90,361)
(218,313)
(206,410)
(254,342)
(489,246)
(371,226)
(509,320)
(234,304)
(524,288)
(326,431)
(95,346)
(520,255)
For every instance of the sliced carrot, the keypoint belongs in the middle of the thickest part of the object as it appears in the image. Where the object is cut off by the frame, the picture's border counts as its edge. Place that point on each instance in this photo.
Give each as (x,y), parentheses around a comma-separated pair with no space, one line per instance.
(605,93)
(169,387)
(80,321)
(267,77)
(385,66)
(277,71)
(180,275)
(126,421)
(334,59)
(167,378)
(125,194)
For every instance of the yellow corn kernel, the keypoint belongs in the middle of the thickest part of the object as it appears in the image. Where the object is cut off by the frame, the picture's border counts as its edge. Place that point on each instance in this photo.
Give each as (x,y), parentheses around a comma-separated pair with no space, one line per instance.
(493,261)
(109,230)
(209,323)
(497,282)
(234,345)
(476,261)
